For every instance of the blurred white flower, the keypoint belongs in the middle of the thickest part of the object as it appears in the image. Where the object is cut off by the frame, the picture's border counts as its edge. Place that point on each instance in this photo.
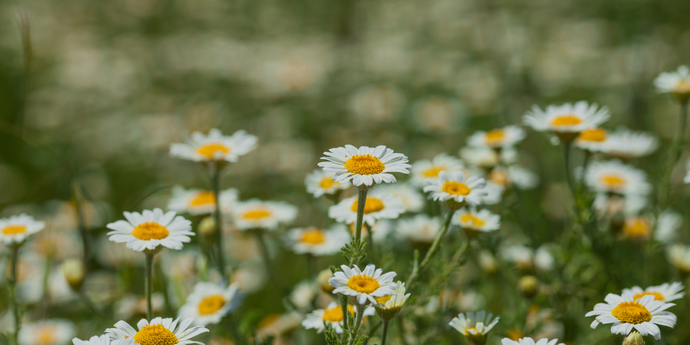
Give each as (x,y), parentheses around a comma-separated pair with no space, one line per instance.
(667,292)
(676,83)
(592,139)
(46,332)
(210,302)
(257,214)
(567,120)
(215,146)
(419,228)
(507,136)
(197,201)
(424,171)
(319,182)
(315,241)
(15,229)
(454,186)
(378,206)
(303,294)
(627,144)
(616,177)
(412,199)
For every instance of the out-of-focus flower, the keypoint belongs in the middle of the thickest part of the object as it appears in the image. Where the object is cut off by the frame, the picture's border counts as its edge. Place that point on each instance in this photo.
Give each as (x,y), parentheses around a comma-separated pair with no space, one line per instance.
(376,103)
(437,114)
(388,307)
(497,138)
(679,256)
(519,254)
(634,338)
(257,214)
(616,177)
(474,326)
(424,171)
(215,146)
(364,166)
(322,280)
(303,294)
(210,302)
(470,300)
(487,261)
(455,187)
(566,121)
(95,340)
(73,271)
(47,332)
(150,229)
(676,83)
(130,306)
(317,242)
(249,277)
(667,224)
(625,313)
(14,230)
(664,229)
(332,315)
(412,199)
(377,206)
(480,156)
(513,175)
(628,205)
(365,286)
(591,140)
(419,229)
(196,201)
(627,144)
(543,260)
(278,325)
(157,331)
(494,193)
(475,222)
(667,292)
(528,285)
(530,341)
(319,182)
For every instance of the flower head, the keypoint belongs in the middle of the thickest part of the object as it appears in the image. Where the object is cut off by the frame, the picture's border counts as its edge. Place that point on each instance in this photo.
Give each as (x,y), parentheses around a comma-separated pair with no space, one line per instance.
(419,229)
(530,341)
(454,187)
(157,332)
(627,313)
(377,206)
(679,256)
(364,166)
(150,229)
(210,302)
(497,138)
(214,146)
(197,201)
(566,121)
(365,286)
(388,307)
(332,315)
(627,144)
(320,183)
(592,139)
(317,242)
(616,177)
(474,326)
(15,229)
(412,199)
(257,214)
(677,83)
(424,170)
(666,292)
(475,222)
(95,340)
(46,332)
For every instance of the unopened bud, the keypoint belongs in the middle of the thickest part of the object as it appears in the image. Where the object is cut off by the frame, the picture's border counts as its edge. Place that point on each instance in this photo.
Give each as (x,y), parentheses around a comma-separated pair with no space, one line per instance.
(207,227)
(634,338)
(528,286)
(73,271)
(322,280)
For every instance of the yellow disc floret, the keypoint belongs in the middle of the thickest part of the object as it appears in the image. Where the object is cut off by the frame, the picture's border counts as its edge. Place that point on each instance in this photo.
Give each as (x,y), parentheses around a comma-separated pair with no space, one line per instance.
(566,120)
(256,214)
(203,198)
(211,305)
(495,137)
(364,165)
(657,296)
(14,230)
(595,134)
(467,218)
(631,312)
(155,335)
(363,284)
(371,205)
(456,188)
(150,231)
(613,181)
(433,172)
(327,183)
(209,150)
(312,236)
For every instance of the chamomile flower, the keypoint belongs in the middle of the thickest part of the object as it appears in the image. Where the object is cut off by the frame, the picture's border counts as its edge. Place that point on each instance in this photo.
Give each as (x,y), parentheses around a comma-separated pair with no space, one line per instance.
(150,229)
(455,187)
(627,313)
(95,340)
(474,326)
(513,175)
(679,256)
(257,214)
(46,332)
(419,229)
(317,242)
(424,170)
(667,292)
(475,222)
(378,206)
(388,307)
(15,229)
(676,83)
(480,156)
(214,146)
(616,177)
(210,302)
(666,228)
(494,193)
(332,315)
(365,286)
(159,332)
(628,205)
(364,166)
(566,121)
(412,199)
(627,144)
(197,202)
(530,341)
(320,183)
(497,138)
(592,139)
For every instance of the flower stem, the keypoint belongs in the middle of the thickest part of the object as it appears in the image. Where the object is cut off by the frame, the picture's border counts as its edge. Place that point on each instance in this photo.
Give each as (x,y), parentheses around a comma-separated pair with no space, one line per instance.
(148,284)
(215,177)
(676,151)
(568,177)
(385,332)
(370,237)
(361,202)
(269,263)
(585,164)
(358,323)
(81,225)
(434,247)
(13,288)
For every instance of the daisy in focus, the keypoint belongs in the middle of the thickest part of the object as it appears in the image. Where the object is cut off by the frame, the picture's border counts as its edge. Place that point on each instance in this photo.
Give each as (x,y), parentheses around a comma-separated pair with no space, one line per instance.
(378,206)
(15,229)
(159,332)
(365,286)
(46,332)
(475,222)
(319,183)
(627,313)
(150,229)
(388,307)
(566,121)
(198,202)
(424,170)
(317,242)
(626,144)
(591,140)
(419,229)
(616,177)
(667,292)
(210,302)
(474,326)
(364,166)
(95,340)
(676,83)
(332,315)
(454,187)
(530,341)
(214,146)
(257,214)
(497,138)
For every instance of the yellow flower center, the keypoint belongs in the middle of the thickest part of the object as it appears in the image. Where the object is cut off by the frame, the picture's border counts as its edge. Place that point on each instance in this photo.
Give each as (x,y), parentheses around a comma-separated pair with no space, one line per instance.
(203,198)
(209,150)
(384,299)
(470,218)
(433,172)
(363,284)
(371,205)
(683,86)
(268,320)
(456,188)
(211,305)
(499,176)
(335,314)
(657,296)
(327,183)
(637,227)
(46,336)
(14,230)
(495,136)
(631,312)
(256,214)
(312,236)
(566,120)
(155,335)
(613,181)
(467,331)
(515,334)
(364,165)
(596,135)
(150,231)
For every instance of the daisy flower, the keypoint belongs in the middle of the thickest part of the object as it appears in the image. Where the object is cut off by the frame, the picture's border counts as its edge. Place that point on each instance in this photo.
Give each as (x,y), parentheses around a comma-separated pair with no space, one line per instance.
(15,229)
(513,175)
(627,313)
(320,183)
(332,315)
(530,341)
(317,242)
(365,286)
(592,139)
(637,228)
(214,147)
(150,229)
(454,187)
(679,256)
(46,332)
(197,201)
(364,166)
(676,83)
(95,340)
(667,224)
(664,229)
(627,144)
(494,193)
(412,199)
(419,229)
(497,138)
(566,121)
(667,292)
(378,206)
(480,156)
(303,294)
(475,222)
(474,326)
(424,170)
(257,214)
(628,205)
(210,302)
(388,307)
(159,332)
(616,177)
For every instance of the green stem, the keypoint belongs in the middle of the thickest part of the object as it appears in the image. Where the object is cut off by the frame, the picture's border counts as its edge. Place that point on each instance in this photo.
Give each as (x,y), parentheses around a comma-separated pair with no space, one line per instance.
(370,237)
(269,263)
(385,332)
(13,287)
(361,202)
(585,164)
(434,248)
(81,225)
(343,305)
(676,152)
(218,218)
(566,157)
(358,323)
(148,284)
(233,329)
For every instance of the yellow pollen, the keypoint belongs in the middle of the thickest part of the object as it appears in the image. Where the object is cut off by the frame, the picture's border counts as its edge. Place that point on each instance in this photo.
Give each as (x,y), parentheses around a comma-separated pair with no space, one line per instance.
(203,198)
(211,304)
(372,205)
(256,214)
(499,176)
(384,299)
(312,236)
(46,336)
(327,183)
(364,165)
(470,218)
(657,296)
(210,150)
(456,188)
(433,172)
(363,284)
(637,227)
(334,314)
(14,230)
(596,135)
(566,120)
(631,312)
(155,335)
(495,137)
(150,231)
(613,181)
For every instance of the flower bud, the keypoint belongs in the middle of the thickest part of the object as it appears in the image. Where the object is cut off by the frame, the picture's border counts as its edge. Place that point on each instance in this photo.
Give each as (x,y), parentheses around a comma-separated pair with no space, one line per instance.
(207,227)
(73,271)
(528,286)
(322,280)
(634,338)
